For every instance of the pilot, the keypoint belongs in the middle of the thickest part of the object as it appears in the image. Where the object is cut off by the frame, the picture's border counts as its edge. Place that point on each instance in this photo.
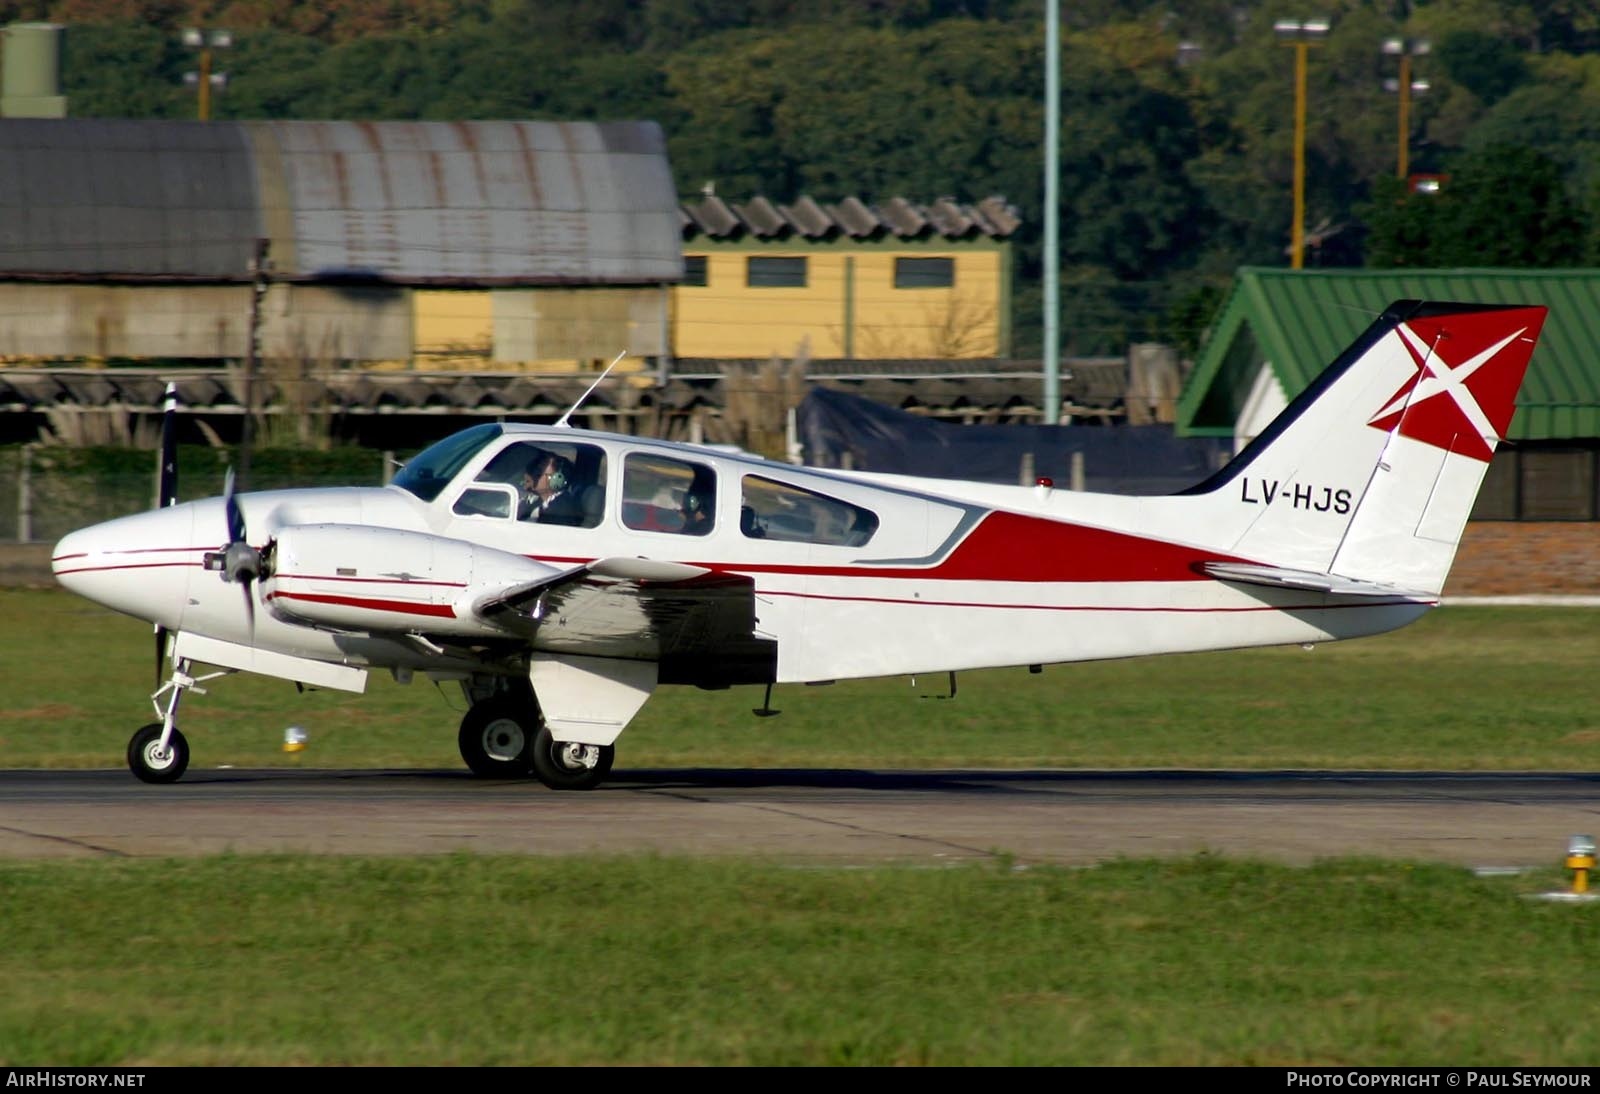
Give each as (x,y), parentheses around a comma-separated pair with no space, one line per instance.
(558,503)
(528,499)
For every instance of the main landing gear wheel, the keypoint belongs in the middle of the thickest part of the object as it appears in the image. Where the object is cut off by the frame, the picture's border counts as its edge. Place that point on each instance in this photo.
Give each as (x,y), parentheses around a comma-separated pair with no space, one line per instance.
(149,763)
(567,765)
(495,739)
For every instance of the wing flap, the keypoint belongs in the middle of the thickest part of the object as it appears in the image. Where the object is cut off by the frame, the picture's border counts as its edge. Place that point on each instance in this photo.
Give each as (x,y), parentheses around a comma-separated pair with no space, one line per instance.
(638,609)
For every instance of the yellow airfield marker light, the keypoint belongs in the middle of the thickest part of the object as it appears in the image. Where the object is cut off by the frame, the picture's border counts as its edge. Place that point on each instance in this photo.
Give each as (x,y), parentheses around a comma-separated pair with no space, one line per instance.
(1580,860)
(294,739)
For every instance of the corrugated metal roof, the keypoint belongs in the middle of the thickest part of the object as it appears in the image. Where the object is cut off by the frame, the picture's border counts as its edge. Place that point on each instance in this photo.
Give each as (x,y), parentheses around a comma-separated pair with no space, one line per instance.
(945,388)
(91,198)
(897,216)
(1301,320)
(479,202)
(456,203)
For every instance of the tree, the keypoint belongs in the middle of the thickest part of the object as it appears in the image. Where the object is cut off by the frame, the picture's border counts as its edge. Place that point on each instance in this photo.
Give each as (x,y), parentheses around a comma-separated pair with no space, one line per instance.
(125,71)
(1506,205)
(727,90)
(1485,64)
(1558,113)
(272,74)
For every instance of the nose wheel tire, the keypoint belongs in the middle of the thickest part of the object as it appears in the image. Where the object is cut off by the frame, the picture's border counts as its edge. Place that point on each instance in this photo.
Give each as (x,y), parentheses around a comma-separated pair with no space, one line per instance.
(149,763)
(495,739)
(567,765)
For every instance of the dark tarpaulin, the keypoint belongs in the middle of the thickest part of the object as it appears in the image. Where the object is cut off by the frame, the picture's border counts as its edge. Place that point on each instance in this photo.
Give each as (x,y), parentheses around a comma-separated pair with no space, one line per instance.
(1144,459)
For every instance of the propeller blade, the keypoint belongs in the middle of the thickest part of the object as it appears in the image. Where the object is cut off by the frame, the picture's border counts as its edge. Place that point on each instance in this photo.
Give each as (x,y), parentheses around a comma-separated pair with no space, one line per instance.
(167,471)
(250,608)
(236,529)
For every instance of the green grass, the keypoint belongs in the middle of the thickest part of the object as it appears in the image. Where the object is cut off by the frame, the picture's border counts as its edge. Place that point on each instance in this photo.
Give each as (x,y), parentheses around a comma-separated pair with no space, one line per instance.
(1465,688)
(462,959)
(478,960)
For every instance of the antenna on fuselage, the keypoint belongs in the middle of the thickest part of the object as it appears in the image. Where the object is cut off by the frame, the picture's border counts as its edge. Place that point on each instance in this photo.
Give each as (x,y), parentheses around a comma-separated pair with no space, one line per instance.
(562,424)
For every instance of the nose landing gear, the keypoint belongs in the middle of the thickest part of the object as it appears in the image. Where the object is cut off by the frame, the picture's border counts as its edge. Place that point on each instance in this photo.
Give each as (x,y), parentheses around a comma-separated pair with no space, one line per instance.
(158,753)
(151,761)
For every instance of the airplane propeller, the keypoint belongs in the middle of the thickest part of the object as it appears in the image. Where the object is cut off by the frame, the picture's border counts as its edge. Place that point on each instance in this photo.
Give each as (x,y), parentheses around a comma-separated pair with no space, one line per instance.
(239,562)
(166,489)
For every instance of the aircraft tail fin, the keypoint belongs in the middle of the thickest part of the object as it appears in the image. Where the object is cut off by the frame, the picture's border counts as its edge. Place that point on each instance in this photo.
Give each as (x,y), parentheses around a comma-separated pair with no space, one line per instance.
(1369,475)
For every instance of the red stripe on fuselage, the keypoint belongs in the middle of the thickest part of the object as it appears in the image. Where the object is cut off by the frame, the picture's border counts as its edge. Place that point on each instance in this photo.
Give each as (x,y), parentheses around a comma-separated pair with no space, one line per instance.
(124,566)
(1013,547)
(440,611)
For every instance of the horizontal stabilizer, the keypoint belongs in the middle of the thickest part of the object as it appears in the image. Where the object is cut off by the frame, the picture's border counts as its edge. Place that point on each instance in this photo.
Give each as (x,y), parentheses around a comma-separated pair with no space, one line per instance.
(1332,584)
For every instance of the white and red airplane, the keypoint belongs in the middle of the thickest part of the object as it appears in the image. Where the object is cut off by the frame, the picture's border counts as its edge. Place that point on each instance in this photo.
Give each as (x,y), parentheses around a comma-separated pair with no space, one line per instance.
(662,563)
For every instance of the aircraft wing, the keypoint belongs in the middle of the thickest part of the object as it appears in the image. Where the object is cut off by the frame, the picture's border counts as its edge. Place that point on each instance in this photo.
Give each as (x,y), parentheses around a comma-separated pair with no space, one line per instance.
(1309,581)
(631,608)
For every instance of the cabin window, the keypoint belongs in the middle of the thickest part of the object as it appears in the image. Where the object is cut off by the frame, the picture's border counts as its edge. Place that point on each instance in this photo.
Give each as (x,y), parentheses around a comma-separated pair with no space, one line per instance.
(776,273)
(779,511)
(924,273)
(554,483)
(661,494)
(494,500)
(694,271)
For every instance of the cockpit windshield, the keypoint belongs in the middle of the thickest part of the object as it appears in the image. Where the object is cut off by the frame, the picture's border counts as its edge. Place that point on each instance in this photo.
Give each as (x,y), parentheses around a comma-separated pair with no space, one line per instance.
(431,470)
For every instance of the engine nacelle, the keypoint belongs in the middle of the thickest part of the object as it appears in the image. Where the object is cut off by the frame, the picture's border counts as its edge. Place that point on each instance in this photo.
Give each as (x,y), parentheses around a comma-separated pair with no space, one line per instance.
(350,577)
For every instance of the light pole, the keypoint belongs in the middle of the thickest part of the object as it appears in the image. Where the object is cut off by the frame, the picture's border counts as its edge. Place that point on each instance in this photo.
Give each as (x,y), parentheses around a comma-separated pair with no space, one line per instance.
(204,80)
(1405,49)
(1302,35)
(1052,183)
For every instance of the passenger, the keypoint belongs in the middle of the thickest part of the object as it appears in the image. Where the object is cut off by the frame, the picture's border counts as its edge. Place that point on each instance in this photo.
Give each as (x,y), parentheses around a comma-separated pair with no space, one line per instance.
(698,502)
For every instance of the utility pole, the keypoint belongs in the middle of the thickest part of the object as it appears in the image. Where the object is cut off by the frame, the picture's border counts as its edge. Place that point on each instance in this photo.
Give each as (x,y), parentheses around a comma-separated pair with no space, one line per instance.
(258,290)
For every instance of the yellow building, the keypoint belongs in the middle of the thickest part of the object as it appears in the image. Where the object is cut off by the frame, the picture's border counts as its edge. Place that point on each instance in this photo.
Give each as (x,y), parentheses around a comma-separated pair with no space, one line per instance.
(848,280)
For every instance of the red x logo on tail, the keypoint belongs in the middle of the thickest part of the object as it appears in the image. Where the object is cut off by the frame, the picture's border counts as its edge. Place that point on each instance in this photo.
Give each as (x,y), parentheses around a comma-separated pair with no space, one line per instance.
(1469,367)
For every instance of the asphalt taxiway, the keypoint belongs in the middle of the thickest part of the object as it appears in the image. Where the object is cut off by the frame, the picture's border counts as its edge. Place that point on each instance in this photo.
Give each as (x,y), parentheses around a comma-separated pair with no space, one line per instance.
(1483,820)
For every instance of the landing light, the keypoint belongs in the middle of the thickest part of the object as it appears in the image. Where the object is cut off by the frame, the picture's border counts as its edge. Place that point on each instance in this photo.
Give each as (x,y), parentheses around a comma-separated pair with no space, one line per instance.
(294,739)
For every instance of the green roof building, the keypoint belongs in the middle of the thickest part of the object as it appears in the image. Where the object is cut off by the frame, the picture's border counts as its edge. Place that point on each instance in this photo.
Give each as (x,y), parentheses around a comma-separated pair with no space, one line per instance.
(1280,328)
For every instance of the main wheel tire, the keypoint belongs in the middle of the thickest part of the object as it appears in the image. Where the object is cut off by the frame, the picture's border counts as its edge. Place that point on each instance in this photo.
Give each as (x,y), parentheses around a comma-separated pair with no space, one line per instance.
(496,739)
(149,764)
(567,765)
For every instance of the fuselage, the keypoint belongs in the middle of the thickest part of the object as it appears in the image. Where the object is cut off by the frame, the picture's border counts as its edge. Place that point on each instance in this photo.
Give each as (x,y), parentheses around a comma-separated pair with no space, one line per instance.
(854,575)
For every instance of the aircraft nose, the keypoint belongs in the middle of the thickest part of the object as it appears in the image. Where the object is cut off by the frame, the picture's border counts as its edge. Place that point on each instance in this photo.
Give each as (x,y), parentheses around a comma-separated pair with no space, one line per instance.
(139,564)
(77,554)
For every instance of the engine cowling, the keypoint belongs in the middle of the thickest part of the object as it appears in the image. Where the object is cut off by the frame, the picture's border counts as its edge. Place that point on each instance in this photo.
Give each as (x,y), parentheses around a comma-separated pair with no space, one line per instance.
(358,578)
